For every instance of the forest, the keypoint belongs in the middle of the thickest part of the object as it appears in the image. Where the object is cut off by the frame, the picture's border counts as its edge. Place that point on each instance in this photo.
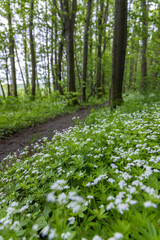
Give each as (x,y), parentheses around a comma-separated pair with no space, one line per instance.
(91,69)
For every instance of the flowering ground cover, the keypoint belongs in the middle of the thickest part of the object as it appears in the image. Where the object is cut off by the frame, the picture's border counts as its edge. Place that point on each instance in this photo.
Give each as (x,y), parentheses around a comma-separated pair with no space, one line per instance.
(96,181)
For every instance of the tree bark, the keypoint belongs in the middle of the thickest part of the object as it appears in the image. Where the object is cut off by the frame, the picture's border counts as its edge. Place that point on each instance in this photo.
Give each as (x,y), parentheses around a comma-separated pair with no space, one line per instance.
(68,21)
(25,59)
(119,52)
(7,74)
(25,49)
(12,54)
(47,49)
(85,50)
(105,19)
(131,73)
(144,46)
(32,47)
(60,58)
(23,80)
(99,56)
(2,89)
(158,49)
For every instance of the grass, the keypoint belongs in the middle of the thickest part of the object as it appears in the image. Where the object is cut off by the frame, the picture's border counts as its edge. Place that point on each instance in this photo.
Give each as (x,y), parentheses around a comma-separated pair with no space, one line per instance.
(98,180)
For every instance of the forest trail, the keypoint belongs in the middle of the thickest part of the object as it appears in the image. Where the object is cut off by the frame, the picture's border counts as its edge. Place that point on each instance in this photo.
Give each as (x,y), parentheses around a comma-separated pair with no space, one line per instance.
(25,137)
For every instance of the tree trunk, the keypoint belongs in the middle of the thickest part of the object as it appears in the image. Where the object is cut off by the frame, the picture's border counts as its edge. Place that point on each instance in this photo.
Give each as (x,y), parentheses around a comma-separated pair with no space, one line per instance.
(99,56)
(25,51)
(119,52)
(144,46)
(68,21)
(158,49)
(47,50)
(12,54)
(2,89)
(131,73)
(52,51)
(60,57)
(7,75)
(25,59)
(85,50)
(24,84)
(32,47)
(105,19)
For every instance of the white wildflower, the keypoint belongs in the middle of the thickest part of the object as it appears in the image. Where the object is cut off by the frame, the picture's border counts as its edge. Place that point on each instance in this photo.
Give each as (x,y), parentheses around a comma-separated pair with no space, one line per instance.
(23,208)
(10,210)
(35,227)
(122,207)
(65,235)
(14,204)
(45,231)
(113,165)
(110,198)
(97,238)
(111,180)
(15,226)
(52,234)
(149,204)
(89,197)
(122,184)
(74,206)
(110,206)
(62,198)
(58,184)
(71,220)
(88,184)
(118,235)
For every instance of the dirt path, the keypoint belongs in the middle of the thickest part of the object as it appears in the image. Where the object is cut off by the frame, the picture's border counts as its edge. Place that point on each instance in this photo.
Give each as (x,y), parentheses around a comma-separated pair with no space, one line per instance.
(29,135)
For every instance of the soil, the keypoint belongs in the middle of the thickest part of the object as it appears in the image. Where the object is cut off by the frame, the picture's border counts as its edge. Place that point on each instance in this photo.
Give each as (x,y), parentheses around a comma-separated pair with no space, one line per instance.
(18,141)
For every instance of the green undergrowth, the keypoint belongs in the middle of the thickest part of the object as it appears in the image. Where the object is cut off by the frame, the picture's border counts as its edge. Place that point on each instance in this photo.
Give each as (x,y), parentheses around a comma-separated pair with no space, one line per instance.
(18,113)
(96,181)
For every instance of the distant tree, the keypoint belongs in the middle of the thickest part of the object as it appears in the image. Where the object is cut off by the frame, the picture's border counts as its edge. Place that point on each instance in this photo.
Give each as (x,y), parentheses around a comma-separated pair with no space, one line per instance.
(2,89)
(119,52)
(157,58)
(7,73)
(11,50)
(102,20)
(69,13)
(144,45)
(85,50)
(99,55)
(58,46)
(32,47)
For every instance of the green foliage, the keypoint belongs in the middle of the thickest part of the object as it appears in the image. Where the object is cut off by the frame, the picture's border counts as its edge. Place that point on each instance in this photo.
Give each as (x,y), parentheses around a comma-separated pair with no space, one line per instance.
(17,113)
(98,180)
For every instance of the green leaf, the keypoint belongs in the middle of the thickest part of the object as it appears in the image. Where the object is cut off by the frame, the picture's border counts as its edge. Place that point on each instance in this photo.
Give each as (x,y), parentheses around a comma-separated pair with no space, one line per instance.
(41,221)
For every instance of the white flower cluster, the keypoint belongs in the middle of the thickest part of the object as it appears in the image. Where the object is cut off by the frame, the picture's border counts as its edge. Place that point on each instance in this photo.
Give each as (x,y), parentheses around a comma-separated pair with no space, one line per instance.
(117,236)
(96,180)
(71,200)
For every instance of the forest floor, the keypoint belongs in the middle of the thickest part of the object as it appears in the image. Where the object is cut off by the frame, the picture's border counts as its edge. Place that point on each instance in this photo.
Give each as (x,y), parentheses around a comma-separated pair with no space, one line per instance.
(25,137)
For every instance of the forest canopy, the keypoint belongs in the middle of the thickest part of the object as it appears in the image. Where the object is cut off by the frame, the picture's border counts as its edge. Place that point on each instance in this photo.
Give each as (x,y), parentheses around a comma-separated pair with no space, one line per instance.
(66,46)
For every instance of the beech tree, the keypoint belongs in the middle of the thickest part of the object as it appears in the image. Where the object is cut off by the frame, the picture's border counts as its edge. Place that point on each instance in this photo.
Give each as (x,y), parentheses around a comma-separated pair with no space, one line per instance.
(12,50)
(32,47)
(119,52)
(144,45)
(69,14)
(85,49)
